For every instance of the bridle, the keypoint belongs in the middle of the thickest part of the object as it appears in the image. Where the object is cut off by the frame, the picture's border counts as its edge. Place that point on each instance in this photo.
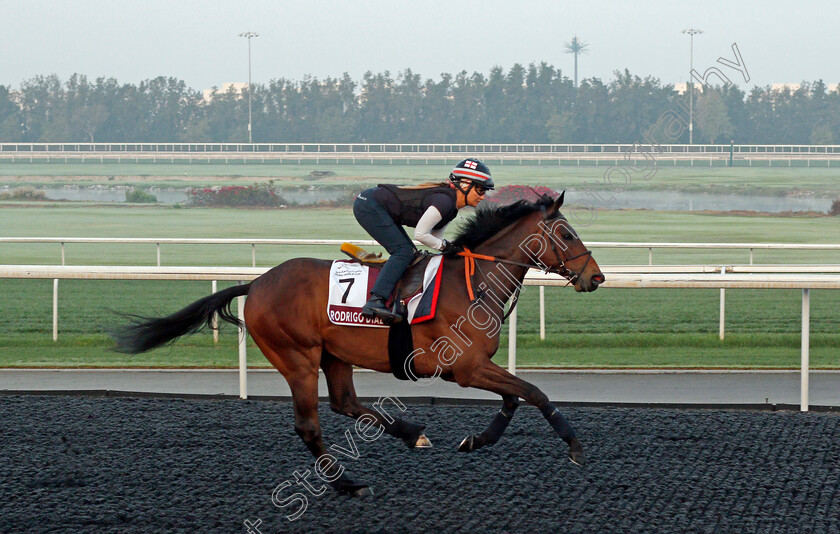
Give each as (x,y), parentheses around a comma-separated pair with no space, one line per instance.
(559,268)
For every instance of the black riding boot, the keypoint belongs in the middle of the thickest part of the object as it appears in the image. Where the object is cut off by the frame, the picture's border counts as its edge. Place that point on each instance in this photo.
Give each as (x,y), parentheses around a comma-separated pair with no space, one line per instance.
(375,307)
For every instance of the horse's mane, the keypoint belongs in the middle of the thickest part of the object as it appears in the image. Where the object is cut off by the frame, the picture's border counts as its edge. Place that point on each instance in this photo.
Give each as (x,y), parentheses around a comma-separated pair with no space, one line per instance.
(489,221)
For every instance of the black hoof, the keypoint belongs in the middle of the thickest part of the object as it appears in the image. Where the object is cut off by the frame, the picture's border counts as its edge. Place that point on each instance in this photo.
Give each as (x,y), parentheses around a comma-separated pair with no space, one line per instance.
(354,490)
(468,444)
(576,452)
(345,486)
(413,434)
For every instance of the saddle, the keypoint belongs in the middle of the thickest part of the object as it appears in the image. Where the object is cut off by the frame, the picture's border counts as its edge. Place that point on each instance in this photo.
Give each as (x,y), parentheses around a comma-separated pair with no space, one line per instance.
(400,339)
(411,281)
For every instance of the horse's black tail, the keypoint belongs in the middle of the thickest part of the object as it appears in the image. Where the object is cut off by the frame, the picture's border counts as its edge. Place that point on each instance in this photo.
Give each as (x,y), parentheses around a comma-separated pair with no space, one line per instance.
(146,333)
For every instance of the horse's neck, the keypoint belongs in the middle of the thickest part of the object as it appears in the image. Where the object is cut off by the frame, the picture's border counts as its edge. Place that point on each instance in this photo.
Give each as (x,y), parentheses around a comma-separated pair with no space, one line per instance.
(503,278)
(506,244)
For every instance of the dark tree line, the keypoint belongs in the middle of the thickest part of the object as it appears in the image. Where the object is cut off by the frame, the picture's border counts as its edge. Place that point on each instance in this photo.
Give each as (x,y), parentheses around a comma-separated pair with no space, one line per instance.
(534,104)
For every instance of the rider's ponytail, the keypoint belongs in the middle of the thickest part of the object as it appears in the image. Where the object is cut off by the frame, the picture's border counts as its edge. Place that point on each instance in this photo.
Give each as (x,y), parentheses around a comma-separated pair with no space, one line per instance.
(426,185)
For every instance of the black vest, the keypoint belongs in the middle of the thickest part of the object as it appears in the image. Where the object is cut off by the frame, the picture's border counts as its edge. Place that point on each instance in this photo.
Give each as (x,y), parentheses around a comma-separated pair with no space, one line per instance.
(406,206)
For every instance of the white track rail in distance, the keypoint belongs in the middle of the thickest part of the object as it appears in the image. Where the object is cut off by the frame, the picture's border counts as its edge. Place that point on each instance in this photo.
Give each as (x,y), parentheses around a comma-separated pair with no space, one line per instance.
(619,276)
(402,149)
(158,241)
(269,241)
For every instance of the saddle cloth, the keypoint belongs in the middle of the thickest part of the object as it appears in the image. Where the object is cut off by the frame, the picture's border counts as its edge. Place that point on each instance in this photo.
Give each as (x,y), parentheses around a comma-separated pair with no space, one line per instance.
(350,285)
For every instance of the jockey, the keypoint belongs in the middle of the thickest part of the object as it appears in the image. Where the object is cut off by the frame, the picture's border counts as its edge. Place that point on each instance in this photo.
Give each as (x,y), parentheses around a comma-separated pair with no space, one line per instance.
(428,208)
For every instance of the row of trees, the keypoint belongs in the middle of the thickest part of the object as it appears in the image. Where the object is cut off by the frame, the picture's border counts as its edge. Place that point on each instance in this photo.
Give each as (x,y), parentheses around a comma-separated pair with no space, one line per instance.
(534,104)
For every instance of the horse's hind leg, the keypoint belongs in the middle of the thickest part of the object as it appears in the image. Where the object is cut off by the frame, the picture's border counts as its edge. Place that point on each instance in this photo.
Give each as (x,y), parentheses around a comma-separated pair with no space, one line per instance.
(343,400)
(305,398)
(491,377)
(495,429)
(300,369)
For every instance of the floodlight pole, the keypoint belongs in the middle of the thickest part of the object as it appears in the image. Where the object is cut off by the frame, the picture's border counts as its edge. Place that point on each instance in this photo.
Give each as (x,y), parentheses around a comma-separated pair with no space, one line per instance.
(691,32)
(248,35)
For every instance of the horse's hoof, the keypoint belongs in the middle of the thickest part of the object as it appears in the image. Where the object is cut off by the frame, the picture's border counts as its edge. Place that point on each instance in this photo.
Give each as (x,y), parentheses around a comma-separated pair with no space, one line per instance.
(577,458)
(576,452)
(364,491)
(423,442)
(345,486)
(468,444)
(354,490)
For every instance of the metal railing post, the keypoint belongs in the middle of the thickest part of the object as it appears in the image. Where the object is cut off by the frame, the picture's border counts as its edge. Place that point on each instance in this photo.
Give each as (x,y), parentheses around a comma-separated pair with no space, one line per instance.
(512,343)
(215,315)
(158,253)
(243,349)
(806,327)
(55,309)
(722,306)
(542,312)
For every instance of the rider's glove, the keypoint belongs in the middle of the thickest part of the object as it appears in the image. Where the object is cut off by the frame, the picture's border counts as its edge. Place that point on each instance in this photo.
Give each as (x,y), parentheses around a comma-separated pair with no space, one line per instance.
(451,248)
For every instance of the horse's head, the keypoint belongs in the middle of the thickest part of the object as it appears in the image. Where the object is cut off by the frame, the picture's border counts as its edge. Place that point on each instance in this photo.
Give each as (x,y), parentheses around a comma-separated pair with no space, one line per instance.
(554,246)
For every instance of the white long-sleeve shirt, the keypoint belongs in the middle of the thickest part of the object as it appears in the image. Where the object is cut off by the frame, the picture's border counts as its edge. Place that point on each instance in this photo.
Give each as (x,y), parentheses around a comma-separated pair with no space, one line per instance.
(425,231)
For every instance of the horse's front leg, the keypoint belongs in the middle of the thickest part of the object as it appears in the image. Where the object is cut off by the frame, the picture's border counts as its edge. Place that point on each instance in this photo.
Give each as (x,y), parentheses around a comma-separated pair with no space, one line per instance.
(491,377)
(495,429)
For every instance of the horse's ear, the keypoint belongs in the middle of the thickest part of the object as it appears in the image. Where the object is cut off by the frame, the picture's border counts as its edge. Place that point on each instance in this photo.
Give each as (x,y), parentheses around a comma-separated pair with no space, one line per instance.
(558,202)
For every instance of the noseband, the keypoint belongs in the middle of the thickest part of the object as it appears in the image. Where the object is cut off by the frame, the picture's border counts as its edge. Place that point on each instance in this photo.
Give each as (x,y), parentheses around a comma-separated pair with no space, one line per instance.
(560,267)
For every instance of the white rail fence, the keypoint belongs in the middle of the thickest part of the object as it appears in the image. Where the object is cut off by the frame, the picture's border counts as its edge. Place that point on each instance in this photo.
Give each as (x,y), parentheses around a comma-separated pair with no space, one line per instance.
(422,154)
(650,246)
(158,241)
(702,277)
(408,148)
(597,160)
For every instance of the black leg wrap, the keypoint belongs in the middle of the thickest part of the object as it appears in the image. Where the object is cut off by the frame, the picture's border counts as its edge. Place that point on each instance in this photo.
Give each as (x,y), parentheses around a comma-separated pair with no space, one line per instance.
(558,422)
(492,433)
(408,432)
(497,427)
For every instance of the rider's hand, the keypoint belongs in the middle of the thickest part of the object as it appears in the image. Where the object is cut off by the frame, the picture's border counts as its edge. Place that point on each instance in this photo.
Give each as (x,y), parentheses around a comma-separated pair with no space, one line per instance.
(451,248)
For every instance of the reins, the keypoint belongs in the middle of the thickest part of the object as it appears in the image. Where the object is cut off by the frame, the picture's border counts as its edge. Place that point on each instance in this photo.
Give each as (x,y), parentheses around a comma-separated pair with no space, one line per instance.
(559,268)
(470,266)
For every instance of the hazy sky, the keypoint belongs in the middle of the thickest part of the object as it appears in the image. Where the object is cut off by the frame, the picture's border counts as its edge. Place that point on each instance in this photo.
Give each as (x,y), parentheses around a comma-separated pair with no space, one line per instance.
(197,41)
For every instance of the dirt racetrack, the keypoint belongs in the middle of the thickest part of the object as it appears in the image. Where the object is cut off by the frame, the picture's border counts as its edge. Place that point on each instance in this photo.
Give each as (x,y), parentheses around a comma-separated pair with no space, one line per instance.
(152,465)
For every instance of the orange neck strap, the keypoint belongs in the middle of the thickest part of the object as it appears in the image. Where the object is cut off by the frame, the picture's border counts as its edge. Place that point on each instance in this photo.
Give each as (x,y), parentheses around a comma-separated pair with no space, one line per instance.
(469,268)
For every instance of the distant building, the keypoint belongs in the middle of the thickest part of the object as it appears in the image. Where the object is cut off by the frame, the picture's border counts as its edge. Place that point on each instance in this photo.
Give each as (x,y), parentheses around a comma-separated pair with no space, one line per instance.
(681,88)
(238,87)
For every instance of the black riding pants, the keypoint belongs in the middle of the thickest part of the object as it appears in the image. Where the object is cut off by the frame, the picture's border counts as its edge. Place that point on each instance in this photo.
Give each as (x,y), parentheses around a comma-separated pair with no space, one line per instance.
(375,220)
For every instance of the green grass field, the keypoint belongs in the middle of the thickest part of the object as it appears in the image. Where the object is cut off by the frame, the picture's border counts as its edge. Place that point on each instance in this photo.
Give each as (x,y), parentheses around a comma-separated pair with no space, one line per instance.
(823,182)
(62,220)
(608,328)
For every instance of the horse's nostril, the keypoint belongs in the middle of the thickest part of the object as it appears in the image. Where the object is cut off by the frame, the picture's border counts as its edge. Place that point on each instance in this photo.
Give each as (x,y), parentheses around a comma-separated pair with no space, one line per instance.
(598,279)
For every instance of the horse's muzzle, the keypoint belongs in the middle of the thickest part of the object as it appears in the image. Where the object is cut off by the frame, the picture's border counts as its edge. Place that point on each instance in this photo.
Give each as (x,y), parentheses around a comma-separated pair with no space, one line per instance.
(591,285)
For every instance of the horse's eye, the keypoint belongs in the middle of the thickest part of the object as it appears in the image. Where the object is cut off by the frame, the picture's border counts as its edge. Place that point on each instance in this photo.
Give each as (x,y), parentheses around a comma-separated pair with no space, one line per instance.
(567,236)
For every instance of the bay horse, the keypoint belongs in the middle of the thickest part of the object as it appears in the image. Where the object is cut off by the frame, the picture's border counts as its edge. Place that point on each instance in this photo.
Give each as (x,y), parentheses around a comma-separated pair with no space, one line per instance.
(285,314)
